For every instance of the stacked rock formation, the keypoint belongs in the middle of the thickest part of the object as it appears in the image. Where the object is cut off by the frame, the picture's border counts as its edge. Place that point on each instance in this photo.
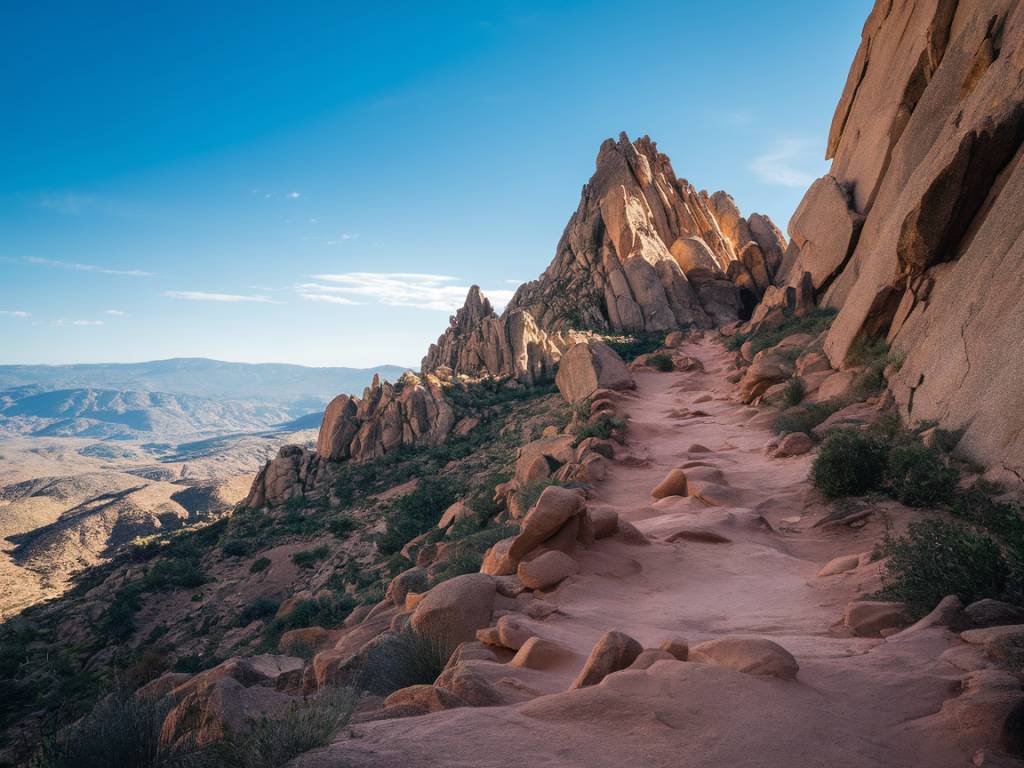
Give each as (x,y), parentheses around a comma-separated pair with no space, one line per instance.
(644,251)
(915,234)
(413,412)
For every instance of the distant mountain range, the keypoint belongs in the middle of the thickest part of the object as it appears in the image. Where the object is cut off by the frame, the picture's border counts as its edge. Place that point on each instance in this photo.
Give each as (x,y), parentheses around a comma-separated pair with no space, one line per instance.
(168,399)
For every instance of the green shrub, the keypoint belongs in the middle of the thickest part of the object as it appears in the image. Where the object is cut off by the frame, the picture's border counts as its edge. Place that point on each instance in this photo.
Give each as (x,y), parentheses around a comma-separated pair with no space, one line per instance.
(307,558)
(918,477)
(121,730)
(979,506)
(793,393)
(274,741)
(938,558)
(327,609)
(805,417)
(662,361)
(462,559)
(417,512)
(259,565)
(341,526)
(419,658)
(235,548)
(849,463)
(600,426)
(260,608)
(631,347)
(168,573)
(813,323)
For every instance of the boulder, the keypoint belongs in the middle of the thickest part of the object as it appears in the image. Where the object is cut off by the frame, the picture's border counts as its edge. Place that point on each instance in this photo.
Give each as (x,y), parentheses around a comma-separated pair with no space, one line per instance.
(614,651)
(513,632)
(840,564)
(553,509)
(411,580)
(868,618)
(750,655)
(650,656)
(674,484)
(991,613)
(430,698)
(455,609)
(767,369)
(589,366)
(823,230)
(547,570)
(497,561)
(676,646)
(538,653)
(793,444)
(457,511)
(470,686)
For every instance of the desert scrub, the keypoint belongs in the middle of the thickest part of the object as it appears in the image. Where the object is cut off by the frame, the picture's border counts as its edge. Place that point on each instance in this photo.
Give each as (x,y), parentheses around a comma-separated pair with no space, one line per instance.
(937,558)
(662,361)
(260,608)
(419,658)
(121,730)
(919,477)
(630,347)
(305,725)
(235,548)
(417,512)
(259,565)
(814,322)
(793,393)
(849,463)
(601,426)
(805,416)
(308,558)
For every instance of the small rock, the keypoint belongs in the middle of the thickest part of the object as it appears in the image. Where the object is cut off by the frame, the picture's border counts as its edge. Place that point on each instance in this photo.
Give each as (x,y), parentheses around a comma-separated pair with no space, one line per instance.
(547,570)
(794,444)
(538,653)
(469,686)
(613,651)
(678,647)
(649,656)
(867,618)
(991,613)
(840,564)
(513,633)
(428,697)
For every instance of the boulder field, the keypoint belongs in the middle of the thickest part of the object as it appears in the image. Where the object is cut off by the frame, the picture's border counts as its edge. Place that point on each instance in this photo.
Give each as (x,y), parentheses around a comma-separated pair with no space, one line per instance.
(712,624)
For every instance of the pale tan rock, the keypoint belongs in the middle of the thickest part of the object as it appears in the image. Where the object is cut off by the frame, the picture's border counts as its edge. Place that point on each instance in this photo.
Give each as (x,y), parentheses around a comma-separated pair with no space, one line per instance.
(431,698)
(538,653)
(794,444)
(453,610)
(613,651)
(676,646)
(867,618)
(840,564)
(513,632)
(470,686)
(456,512)
(674,484)
(554,508)
(589,366)
(650,656)
(750,655)
(497,561)
(547,570)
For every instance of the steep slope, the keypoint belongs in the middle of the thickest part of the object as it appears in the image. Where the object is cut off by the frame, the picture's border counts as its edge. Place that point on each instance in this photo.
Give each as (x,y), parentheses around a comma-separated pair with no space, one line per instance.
(915,235)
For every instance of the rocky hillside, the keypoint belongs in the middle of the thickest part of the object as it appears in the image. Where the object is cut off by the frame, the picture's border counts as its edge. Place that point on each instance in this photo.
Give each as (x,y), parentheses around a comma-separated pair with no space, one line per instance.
(645,252)
(914,236)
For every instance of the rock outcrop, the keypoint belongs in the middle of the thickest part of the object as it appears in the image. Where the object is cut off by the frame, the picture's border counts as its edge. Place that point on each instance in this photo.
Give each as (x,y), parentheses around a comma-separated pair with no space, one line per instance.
(915,234)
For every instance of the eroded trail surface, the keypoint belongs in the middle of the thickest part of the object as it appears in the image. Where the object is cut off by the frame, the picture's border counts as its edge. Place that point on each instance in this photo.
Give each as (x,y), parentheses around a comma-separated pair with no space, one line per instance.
(741,557)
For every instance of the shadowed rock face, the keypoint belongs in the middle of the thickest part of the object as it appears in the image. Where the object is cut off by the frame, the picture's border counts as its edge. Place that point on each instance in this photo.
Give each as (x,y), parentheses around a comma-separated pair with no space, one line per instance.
(915,234)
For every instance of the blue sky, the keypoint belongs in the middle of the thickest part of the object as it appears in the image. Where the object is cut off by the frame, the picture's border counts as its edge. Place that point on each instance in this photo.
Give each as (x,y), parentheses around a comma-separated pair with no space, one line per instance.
(318,183)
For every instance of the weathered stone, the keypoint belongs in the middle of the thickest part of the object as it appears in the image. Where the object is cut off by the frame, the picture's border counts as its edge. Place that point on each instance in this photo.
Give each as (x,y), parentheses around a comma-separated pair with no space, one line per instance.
(547,570)
(867,618)
(455,609)
(470,686)
(431,698)
(613,651)
(751,655)
(674,484)
(538,653)
(991,613)
(589,366)
(553,509)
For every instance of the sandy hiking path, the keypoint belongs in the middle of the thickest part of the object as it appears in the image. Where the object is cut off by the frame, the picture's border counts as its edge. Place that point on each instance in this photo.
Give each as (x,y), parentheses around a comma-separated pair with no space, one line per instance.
(742,558)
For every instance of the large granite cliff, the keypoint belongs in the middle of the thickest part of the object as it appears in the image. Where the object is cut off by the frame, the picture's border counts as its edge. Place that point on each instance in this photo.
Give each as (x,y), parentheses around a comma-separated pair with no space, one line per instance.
(915,235)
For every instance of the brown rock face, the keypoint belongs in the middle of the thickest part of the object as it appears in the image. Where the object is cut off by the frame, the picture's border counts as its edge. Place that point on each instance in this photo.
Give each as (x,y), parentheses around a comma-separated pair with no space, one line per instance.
(478,342)
(926,148)
(588,367)
(644,251)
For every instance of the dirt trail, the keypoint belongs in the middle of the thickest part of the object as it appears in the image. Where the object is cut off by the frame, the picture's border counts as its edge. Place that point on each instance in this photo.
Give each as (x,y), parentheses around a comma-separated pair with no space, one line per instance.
(856,702)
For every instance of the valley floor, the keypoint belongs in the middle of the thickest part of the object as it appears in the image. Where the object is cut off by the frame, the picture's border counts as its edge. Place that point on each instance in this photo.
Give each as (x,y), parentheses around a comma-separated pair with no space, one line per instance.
(856,702)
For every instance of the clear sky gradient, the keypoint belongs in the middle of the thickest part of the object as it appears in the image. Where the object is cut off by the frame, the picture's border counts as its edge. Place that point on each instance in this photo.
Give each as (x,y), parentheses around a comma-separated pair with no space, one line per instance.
(318,183)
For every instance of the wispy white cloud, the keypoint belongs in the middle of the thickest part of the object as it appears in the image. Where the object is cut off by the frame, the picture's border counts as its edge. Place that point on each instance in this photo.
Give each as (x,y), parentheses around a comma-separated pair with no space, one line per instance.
(343,237)
(14,313)
(40,262)
(87,322)
(789,163)
(401,289)
(329,299)
(223,297)
(294,195)
(114,312)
